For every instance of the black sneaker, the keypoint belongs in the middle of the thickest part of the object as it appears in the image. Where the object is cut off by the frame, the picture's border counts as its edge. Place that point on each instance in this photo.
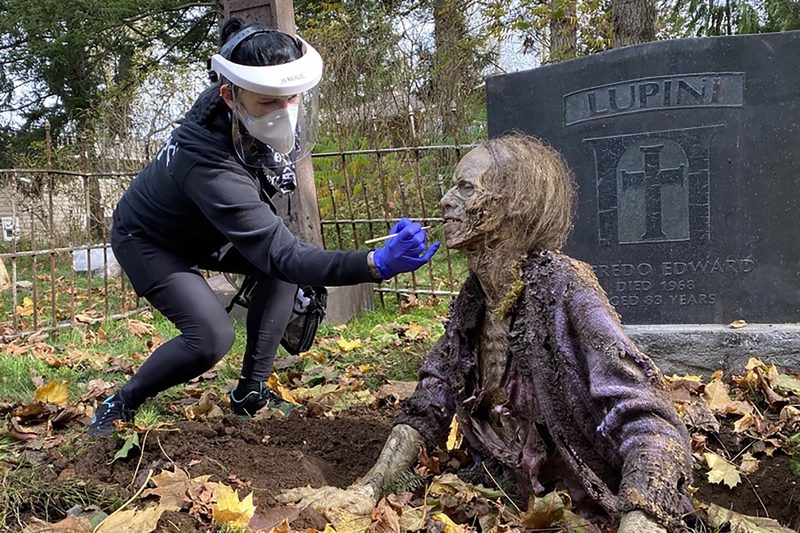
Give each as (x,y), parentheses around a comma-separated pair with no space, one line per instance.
(107,412)
(254,401)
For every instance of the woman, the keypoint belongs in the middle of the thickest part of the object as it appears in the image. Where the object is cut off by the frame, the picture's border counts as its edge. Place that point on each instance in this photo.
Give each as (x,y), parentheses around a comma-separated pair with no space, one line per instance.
(204,203)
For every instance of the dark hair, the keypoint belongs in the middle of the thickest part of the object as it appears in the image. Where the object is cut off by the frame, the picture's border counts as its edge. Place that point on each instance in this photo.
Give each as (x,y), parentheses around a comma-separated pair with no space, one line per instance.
(269,48)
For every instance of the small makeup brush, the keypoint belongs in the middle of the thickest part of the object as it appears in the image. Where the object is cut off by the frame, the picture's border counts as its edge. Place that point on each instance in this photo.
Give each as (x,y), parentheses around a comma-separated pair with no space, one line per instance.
(379,239)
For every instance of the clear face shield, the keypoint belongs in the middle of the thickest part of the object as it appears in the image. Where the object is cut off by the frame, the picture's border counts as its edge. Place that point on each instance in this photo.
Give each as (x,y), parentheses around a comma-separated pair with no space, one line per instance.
(274,112)
(284,133)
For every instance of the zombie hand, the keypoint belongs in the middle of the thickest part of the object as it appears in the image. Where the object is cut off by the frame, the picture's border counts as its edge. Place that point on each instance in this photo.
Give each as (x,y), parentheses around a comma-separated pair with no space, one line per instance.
(639,522)
(398,454)
(355,499)
(402,253)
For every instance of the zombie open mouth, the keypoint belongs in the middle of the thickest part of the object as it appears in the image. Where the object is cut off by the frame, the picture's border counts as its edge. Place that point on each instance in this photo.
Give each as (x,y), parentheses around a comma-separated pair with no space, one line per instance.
(451,223)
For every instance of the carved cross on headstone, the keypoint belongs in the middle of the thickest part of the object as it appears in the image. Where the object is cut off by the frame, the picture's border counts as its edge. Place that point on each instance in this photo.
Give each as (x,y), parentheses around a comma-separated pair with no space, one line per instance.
(651,179)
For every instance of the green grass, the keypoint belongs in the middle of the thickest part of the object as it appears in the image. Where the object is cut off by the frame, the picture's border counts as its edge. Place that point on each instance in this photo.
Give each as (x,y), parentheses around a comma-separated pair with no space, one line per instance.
(385,345)
(387,349)
(70,290)
(16,385)
(26,492)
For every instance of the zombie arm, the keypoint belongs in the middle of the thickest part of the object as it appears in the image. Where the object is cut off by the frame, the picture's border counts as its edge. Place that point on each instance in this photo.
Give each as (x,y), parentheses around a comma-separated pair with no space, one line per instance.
(425,417)
(640,418)
(399,453)
(639,522)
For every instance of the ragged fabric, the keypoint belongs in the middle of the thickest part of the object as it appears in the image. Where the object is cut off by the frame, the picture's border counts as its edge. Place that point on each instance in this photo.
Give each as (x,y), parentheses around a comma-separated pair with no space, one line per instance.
(577,390)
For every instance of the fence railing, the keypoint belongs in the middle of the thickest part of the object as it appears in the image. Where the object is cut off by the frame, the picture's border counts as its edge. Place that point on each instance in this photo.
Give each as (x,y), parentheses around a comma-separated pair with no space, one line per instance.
(391,183)
(57,269)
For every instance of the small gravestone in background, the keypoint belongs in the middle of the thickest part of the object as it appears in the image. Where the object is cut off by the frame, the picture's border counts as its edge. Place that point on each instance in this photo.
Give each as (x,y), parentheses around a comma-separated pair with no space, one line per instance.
(686,158)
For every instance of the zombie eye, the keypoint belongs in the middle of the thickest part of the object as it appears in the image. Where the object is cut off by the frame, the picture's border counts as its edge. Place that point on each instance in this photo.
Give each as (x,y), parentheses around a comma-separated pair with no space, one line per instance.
(467,189)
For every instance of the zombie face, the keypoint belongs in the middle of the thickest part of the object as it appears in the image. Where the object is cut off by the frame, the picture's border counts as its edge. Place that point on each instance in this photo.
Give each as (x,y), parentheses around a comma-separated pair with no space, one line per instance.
(465,205)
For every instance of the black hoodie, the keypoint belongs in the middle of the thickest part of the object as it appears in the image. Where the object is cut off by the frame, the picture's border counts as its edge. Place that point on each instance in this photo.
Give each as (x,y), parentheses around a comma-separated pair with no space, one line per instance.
(196,196)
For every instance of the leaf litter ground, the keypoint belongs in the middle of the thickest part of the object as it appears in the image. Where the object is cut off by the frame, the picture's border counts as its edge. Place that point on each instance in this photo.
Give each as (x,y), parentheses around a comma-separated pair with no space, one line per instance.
(264,456)
(745,435)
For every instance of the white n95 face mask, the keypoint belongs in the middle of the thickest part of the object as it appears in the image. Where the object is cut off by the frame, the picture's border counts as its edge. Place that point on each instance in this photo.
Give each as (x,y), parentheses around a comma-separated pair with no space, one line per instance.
(275,129)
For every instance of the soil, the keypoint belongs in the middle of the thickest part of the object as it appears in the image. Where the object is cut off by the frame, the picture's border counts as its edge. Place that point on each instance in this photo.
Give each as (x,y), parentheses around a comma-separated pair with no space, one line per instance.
(272,455)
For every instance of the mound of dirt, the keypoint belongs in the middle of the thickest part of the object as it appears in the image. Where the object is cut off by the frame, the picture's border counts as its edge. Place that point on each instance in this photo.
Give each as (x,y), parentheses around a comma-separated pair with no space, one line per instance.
(272,455)
(267,455)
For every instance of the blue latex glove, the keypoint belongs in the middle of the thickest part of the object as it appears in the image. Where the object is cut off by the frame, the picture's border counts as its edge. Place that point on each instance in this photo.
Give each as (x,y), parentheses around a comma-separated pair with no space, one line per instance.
(402,253)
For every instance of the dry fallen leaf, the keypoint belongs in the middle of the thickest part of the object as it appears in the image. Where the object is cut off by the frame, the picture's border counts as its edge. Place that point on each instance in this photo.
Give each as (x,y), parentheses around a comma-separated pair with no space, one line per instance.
(344,522)
(386,517)
(205,407)
(736,324)
(399,390)
(721,470)
(171,487)
(132,520)
(455,436)
(138,328)
(719,518)
(231,512)
(717,396)
(449,525)
(544,512)
(54,392)
(749,464)
(71,524)
(348,346)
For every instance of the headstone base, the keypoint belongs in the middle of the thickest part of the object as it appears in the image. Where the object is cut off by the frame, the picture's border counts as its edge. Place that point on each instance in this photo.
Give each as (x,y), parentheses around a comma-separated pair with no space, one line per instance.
(705,348)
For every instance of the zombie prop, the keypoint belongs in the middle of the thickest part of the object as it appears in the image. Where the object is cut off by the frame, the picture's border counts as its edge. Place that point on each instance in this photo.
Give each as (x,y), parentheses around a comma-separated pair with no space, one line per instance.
(534,362)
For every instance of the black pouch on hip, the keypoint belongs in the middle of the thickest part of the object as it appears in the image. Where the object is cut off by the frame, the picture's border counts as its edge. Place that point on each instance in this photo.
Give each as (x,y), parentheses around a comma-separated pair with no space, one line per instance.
(307,312)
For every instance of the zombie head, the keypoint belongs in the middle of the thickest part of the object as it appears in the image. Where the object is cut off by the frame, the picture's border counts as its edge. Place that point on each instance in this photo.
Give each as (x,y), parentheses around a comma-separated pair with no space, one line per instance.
(513,193)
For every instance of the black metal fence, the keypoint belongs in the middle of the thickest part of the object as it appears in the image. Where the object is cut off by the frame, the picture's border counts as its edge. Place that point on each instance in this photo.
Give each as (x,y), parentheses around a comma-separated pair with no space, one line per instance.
(57,269)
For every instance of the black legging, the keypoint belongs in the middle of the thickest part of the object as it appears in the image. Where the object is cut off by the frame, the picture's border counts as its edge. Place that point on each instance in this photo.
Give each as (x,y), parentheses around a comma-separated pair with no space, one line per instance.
(177,289)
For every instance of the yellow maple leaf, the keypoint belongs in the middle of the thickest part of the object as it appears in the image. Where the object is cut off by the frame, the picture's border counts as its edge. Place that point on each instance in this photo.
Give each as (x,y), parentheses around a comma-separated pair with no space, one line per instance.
(755,362)
(414,331)
(347,345)
(231,512)
(26,307)
(274,383)
(685,377)
(721,470)
(54,392)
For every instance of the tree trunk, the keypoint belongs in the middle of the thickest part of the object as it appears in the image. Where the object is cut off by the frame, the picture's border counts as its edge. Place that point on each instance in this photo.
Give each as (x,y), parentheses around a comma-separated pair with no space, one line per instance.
(563,30)
(450,71)
(632,22)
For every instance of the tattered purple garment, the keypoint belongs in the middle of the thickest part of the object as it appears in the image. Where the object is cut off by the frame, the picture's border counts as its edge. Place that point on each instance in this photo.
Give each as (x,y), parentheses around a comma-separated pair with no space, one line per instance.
(578,393)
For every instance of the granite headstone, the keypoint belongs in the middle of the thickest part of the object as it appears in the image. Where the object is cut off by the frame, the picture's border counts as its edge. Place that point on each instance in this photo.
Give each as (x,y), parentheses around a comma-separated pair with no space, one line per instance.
(687,158)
